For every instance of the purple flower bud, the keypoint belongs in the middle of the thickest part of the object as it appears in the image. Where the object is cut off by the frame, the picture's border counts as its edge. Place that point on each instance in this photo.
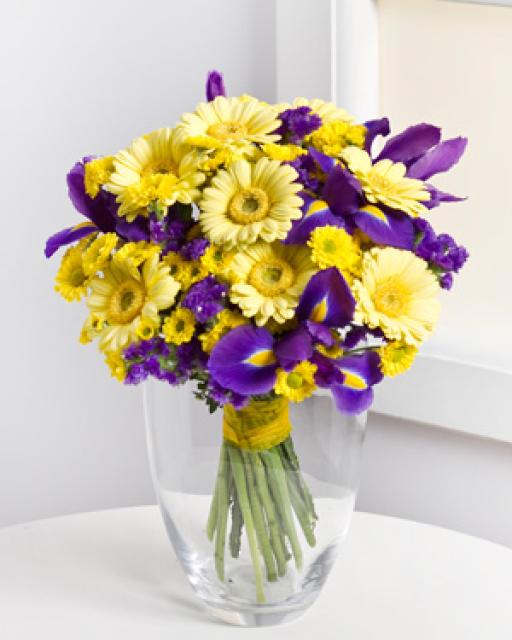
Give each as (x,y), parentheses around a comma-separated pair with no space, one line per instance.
(214,85)
(446,281)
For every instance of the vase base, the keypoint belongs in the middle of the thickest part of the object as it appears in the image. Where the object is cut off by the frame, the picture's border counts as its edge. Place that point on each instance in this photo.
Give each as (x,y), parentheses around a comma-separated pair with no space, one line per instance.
(254,618)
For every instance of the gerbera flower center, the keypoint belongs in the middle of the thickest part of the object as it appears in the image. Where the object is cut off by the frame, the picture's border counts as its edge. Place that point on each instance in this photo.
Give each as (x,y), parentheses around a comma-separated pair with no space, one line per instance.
(271,277)
(126,302)
(162,165)
(249,205)
(380,183)
(230,130)
(391,298)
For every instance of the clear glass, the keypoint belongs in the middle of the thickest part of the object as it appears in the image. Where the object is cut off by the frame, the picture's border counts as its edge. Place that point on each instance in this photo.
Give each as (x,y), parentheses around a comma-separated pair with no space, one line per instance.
(185,442)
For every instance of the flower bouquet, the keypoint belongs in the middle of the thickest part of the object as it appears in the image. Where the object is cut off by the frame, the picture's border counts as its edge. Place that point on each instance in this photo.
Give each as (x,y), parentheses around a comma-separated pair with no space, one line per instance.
(263,253)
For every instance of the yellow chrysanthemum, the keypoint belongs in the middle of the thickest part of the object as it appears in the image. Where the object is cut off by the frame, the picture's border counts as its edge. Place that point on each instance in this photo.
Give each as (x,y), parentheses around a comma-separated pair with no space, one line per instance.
(98,253)
(133,254)
(328,111)
(385,182)
(124,299)
(116,364)
(217,260)
(334,247)
(226,320)
(91,328)
(234,124)
(297,384)
(283,152)
(158,167)
(270,279)
(179,327)
(396,358)
(71,280)
(398,293)
(97,172)
(147,328)
(250,201)
(332,137)
(186,272)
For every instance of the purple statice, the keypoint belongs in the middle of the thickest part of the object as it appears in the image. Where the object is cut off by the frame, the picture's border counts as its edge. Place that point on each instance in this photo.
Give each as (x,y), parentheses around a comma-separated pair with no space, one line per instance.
(149,358)
(205,298)
(190,355)
(297,123)
(157,229)
(222,396)
(194,249)
(443,254)
(307,169)
(136,373)
(446,281)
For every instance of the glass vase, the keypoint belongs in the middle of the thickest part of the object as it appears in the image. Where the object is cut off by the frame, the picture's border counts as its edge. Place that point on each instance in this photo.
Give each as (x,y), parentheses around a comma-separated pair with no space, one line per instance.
(256,525)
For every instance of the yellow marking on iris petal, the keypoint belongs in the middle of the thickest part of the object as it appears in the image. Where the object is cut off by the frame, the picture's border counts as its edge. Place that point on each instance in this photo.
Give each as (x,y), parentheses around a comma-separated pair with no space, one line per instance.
(375,212)
(262,358)
(353,380)
(316,206)
(319,311)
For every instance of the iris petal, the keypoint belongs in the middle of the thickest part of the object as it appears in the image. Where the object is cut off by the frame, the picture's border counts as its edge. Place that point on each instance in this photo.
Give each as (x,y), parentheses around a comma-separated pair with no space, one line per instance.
(327,299)
(240,361)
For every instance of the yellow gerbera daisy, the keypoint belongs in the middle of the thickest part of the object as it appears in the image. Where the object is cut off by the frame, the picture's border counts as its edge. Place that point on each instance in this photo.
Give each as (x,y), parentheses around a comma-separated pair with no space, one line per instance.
(230,123)
(396,358)
(71,280)
(226,320)
(332,137)
(97,172)
(398,293)
(124,299)
(98,252)
(328,111)
(385,182)
(250,201)
(297,384)
(158,167)
(270,279)
(334,247)
(179,327)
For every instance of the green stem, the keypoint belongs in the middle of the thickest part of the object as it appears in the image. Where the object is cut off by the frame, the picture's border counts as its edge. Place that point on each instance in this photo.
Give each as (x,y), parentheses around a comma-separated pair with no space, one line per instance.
(276,536)
(211,525)
(237,523)
(262,533)
(293,460)
(304,516)
(237,469)
(222,513)
(278,484)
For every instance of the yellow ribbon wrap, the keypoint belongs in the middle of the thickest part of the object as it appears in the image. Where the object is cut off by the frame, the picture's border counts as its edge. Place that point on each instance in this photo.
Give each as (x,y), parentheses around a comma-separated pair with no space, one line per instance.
(261,425)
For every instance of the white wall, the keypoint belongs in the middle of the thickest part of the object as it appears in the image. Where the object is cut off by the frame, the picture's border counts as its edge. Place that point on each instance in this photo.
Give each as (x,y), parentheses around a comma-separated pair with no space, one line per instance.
(80,78)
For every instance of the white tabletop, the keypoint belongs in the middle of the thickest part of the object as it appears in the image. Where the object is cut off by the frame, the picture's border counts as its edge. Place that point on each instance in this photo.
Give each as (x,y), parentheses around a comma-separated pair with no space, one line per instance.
(112,575)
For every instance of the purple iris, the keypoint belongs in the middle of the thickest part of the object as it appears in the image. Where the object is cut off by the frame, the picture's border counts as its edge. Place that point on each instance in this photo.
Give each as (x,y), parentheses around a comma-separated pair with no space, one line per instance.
(214,85)
(361,372)
(305,166)
(297,123)
(420,148)
(205,298)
